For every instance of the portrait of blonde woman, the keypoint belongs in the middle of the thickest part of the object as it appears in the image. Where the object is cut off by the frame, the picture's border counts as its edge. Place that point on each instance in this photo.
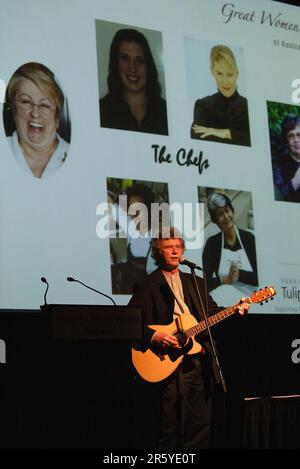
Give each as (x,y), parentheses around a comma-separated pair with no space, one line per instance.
(33,120)
(222,116)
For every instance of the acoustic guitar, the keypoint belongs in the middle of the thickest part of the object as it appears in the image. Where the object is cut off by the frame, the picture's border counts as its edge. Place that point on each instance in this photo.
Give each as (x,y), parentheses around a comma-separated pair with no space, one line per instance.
(153,365)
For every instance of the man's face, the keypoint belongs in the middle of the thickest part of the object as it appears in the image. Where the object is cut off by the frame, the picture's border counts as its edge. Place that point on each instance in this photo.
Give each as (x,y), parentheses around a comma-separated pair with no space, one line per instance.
(293,141)
(171,250)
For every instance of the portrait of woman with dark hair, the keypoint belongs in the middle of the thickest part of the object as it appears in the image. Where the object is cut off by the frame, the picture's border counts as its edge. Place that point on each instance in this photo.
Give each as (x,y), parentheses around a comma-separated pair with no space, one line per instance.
(223,116)
(133,101)
(229,257)
(131,258)
(285,150)
(34,122)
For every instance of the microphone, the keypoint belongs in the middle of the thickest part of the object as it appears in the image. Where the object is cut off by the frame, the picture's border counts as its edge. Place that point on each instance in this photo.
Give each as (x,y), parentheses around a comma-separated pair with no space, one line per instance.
(44,280)
(190,264)
(71,279)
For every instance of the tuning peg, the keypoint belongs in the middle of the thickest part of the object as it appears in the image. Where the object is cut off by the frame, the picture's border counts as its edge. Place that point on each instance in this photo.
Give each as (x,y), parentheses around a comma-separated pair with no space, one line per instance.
(266,301)
(261,304)
(272,298)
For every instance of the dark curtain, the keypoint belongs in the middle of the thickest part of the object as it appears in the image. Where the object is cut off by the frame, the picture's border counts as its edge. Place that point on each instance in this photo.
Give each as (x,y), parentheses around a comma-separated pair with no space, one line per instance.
(272,423)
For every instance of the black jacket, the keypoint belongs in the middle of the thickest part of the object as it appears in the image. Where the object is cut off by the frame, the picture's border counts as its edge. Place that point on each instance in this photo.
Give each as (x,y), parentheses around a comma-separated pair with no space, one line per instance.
(220,112)
(155,297)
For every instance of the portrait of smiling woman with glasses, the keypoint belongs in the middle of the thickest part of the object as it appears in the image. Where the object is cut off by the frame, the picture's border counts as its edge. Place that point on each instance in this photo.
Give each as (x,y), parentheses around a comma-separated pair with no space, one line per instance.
(32,115)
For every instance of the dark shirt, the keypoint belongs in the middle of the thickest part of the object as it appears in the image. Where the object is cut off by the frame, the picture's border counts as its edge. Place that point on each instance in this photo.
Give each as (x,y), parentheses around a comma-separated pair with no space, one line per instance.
(284,168)
(220,112)
(115,114)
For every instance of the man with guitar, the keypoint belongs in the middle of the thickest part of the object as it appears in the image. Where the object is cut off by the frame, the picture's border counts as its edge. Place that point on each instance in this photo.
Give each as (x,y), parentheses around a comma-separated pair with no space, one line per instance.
(182,366)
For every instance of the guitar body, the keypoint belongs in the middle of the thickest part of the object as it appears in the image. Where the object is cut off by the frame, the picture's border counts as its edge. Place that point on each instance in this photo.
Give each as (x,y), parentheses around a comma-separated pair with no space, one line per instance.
(154,366)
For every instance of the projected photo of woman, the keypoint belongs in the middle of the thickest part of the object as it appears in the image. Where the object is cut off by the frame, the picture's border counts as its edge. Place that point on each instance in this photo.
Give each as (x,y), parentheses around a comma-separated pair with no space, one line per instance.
(284,127)
(131,254)
(229,256)
(223,116)
(34,122)
(134,100)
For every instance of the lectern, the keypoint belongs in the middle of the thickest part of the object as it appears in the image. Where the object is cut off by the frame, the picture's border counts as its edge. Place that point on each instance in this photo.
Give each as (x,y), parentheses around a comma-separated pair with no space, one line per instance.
(95,322)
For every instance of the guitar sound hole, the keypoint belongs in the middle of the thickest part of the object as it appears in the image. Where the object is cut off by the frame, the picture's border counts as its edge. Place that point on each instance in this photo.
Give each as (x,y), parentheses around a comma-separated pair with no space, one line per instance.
(181,337)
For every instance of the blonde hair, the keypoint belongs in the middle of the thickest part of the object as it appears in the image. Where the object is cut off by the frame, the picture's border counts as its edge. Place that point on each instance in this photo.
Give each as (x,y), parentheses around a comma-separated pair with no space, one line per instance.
(222,53)
(42,77)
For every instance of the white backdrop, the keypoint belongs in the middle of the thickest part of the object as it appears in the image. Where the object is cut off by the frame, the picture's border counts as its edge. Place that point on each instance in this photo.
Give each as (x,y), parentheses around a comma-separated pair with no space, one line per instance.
(48,227)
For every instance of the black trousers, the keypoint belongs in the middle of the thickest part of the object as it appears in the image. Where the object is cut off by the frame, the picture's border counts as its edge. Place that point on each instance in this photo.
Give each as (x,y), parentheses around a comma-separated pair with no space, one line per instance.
(186,406)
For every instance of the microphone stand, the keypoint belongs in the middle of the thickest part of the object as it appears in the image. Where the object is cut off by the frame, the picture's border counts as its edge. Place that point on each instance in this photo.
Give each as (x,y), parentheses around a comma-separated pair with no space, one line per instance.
(213,348)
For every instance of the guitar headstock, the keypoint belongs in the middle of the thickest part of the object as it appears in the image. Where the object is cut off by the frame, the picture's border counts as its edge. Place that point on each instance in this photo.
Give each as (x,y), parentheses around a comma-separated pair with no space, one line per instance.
(264,294)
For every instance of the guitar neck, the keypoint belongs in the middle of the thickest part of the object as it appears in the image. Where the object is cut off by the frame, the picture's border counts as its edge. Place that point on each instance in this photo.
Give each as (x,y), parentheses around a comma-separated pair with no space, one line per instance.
(212,320)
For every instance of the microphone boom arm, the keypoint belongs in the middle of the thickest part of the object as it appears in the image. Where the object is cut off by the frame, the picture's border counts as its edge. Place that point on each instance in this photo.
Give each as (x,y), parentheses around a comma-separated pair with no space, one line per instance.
(44,280)
(71,279)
